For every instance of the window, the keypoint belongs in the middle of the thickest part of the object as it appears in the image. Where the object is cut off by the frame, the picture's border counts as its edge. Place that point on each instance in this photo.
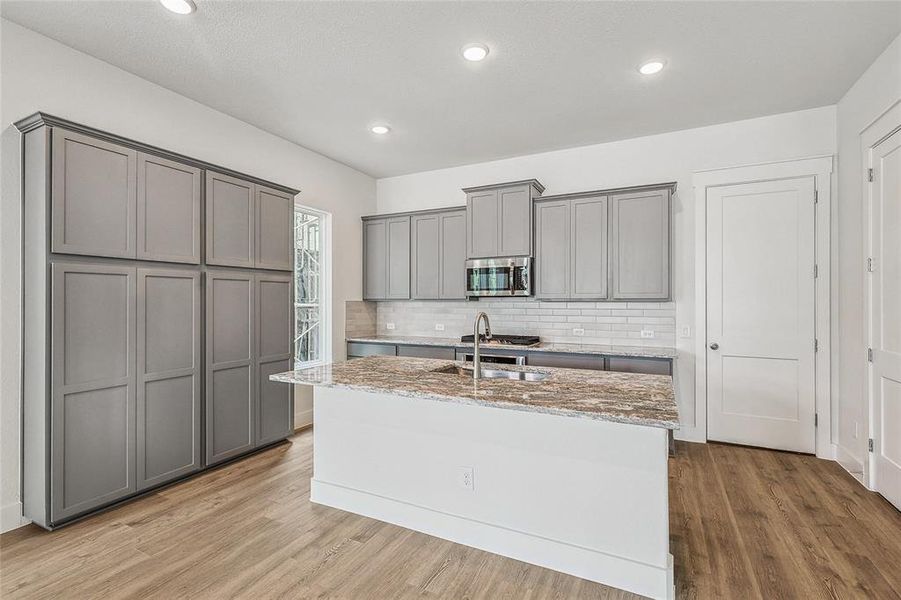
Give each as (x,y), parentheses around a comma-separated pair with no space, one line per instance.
(311,287)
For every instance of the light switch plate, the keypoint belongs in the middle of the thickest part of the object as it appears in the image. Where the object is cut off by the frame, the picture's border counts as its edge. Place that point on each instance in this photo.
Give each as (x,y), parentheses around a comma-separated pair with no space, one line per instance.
(578,331)
(389,326)
(647,333)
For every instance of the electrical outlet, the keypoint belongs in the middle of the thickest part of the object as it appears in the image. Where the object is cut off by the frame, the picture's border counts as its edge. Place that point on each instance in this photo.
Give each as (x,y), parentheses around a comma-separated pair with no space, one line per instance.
(686,331)
(647,333)
(389,326)
(465,478)
(439,326)
(578,331)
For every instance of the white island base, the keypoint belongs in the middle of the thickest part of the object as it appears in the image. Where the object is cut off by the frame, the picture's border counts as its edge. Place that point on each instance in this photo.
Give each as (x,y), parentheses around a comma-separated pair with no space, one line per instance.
(578,495)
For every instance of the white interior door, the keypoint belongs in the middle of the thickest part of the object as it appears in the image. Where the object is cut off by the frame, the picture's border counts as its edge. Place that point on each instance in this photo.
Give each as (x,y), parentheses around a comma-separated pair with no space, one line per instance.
(885,316)
(761,301)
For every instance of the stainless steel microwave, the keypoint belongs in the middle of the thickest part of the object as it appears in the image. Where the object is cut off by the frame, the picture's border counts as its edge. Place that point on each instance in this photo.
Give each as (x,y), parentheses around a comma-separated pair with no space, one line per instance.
(499,276)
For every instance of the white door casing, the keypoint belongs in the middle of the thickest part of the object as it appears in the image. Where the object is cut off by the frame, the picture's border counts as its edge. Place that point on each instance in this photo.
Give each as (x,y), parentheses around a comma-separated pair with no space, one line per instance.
(761,313)
(885,315)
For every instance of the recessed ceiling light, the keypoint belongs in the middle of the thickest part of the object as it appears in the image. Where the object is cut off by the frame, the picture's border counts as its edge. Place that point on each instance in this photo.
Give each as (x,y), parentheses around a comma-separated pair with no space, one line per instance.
(181,7)
(380,129)
(475,52)
(651,67)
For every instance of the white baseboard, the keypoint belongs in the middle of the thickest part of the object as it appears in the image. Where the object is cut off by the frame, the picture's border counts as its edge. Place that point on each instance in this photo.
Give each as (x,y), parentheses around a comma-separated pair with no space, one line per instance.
(615,571)
(11,517)
(303,418)
(850,464)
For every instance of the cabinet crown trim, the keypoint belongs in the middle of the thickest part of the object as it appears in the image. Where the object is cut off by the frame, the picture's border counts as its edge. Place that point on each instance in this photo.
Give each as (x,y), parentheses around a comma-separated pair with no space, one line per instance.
(41,119)
(671,186)
(493,186)
(413,213)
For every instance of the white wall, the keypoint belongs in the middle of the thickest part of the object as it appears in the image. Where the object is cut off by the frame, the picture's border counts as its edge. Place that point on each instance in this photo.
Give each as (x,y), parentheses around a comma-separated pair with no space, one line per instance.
(41,74)
(874,93)
(660,158)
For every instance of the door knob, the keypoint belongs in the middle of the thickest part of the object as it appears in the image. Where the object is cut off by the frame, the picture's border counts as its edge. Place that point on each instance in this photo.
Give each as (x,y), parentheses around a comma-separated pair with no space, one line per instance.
(714,346)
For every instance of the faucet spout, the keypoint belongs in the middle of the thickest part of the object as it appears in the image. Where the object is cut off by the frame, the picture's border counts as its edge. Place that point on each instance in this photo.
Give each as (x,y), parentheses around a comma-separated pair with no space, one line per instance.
(476,360)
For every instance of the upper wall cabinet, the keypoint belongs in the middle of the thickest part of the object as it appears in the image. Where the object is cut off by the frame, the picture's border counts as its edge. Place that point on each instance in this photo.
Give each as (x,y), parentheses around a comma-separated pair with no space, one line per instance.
(386,258)
(605,245)
(640,245)
(248,225)
(168,214)
(93,201)
(274,229)
(438,255)
(229,221)
(499,219)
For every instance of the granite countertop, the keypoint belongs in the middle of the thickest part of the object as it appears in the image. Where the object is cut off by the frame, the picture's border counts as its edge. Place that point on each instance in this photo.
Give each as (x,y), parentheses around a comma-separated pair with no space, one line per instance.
(600,395)
(601,349)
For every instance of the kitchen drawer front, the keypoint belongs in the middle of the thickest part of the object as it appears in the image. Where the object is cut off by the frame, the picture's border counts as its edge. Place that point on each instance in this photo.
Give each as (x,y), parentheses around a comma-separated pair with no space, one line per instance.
(359,350)
(426,352)
(566,361)
(651,366)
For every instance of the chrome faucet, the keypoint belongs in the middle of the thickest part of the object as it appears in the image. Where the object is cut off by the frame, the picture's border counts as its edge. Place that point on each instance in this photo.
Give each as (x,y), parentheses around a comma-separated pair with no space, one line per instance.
(476,361)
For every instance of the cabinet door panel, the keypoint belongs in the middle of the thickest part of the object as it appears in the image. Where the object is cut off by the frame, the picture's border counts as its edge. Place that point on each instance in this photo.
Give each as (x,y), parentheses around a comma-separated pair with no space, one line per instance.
(375,259)
(650,366)
(168,220)
(552,249)
(274,349)
(426,352)
(275,412)
(230,386)
(426,256)
(483,224)
(566,361)
(588,242)
(93,198)
(168,359)
(274,229)
(229,221)
(398,258)
(515,207)
(93,389)
(639,245)
(453,256)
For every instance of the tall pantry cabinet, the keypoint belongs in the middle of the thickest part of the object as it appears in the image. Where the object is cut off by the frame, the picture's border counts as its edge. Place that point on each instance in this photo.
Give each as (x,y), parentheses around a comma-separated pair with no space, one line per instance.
(157,301)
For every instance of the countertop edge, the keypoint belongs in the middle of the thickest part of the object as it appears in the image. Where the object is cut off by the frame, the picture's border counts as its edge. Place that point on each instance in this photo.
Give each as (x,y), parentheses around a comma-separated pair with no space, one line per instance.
(664,352)
(288,377)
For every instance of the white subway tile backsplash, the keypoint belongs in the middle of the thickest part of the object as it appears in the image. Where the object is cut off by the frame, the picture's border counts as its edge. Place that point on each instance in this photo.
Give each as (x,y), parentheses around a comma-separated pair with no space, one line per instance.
(603,322)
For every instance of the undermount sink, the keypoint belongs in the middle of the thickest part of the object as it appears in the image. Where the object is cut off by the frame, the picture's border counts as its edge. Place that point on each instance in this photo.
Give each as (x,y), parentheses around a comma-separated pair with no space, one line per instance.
(495,373)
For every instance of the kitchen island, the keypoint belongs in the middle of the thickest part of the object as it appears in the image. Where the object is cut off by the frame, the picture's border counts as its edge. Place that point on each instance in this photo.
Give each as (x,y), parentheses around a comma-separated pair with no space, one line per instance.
(569,472)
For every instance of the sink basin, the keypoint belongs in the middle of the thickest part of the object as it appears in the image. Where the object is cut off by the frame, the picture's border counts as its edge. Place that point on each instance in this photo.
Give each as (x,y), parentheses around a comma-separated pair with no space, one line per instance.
(495,373)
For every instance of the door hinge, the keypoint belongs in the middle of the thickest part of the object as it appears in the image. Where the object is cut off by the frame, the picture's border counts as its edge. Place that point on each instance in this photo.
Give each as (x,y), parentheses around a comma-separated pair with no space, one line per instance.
(870,265)
(870,444)
(816,420)
(869,355)
(816,345)
(870,175)
(816,196)
(816,272)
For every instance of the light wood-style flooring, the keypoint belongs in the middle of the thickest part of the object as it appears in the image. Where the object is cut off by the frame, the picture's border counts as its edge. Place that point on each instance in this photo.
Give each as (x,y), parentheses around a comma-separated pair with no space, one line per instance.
(745,523)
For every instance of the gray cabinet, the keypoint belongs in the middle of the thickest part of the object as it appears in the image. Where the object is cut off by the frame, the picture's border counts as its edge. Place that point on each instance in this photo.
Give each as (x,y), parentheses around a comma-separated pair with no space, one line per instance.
(362,350)
(274,230)
(386,258)
(273,354)
(588,248)
(446,353)
(93,387)
(230,214)
(438,257)
(499,219)
(452,278)
(169,372)
(610,245)
(168,210)
(649,366)
(93,196)
(552,251)
(230,387)
(640,245)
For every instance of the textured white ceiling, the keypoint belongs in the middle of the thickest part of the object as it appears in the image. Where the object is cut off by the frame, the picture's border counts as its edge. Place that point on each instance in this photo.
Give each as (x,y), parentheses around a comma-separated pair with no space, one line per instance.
(560,74)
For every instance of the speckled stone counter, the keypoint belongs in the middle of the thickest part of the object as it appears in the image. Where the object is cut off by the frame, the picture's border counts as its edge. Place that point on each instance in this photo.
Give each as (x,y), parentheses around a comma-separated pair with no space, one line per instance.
(599,349)
(601,395)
